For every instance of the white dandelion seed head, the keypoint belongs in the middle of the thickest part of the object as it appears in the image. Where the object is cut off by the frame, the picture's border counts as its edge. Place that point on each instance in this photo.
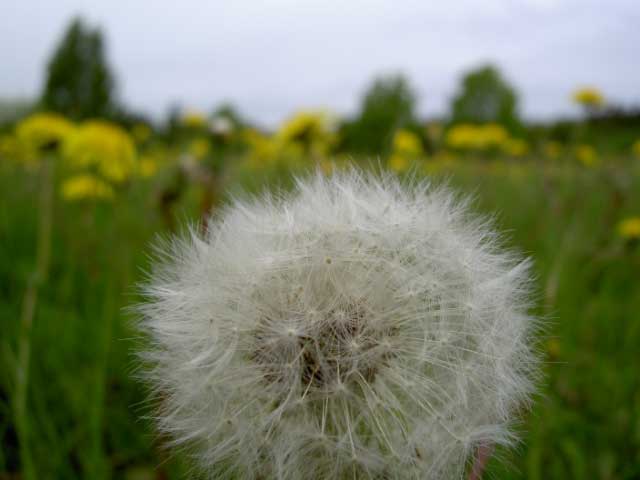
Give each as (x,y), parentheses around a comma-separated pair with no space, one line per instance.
(359,327)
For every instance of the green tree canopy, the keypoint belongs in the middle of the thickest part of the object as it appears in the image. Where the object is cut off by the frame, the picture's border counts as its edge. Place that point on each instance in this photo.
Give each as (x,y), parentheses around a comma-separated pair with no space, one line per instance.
(389,104)
(485,96)
(79,83)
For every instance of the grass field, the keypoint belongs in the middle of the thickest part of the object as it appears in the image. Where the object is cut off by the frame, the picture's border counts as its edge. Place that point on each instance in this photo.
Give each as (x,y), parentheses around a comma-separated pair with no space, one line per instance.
(85,411)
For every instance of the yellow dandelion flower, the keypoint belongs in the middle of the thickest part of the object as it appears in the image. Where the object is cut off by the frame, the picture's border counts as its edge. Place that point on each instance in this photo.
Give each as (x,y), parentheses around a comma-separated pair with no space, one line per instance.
(407,143)
(43,131)
(194,119)
(587,155)
(313,130)
(588,97)
(635,148)
(103,147)
(85,186)
(467,136)
(629,228)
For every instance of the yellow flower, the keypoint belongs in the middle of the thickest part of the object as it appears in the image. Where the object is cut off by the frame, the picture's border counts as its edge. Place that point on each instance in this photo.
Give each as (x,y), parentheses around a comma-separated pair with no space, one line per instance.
(552,149)
(200,148)
(587,155)
(635,148)
(407,143)
(141,132)
(588,97)
(103,147)
(515,147)
(398,163)
(629,228)
(476,137)
(86,186)
(42,131)
(312,130)
(194,119)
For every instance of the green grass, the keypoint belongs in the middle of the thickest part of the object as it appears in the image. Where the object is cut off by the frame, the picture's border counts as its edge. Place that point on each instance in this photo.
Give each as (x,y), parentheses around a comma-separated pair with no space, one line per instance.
(86,411)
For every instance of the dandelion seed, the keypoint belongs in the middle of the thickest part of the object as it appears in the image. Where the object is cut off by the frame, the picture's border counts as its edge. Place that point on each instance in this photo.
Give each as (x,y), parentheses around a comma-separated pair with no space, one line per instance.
(388,337)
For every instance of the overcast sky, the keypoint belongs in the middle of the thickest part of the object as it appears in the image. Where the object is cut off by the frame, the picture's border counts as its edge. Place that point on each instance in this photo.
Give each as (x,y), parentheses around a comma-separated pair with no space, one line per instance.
(272,57)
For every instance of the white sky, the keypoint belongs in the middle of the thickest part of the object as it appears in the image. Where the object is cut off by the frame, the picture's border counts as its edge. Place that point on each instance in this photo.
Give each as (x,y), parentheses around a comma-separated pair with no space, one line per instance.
(272,57)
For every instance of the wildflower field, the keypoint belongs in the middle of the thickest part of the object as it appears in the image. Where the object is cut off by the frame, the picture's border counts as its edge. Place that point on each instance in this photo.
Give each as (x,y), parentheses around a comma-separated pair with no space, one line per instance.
(82,203)
(198,295)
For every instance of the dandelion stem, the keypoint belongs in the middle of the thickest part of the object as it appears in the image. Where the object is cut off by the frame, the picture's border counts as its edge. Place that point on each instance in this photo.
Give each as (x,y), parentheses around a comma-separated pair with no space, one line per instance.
(29,304)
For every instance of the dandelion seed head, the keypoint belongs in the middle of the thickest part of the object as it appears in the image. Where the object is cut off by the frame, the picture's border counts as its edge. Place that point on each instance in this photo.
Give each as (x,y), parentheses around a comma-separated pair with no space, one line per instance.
(359,326)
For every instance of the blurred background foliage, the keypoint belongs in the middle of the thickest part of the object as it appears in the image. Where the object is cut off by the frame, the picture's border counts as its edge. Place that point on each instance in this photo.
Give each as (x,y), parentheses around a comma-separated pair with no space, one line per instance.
(88,184)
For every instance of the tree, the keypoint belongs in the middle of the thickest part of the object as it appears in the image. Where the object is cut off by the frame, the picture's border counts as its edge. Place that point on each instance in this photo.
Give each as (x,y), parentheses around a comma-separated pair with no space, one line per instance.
(79,83)
(484,97)
(388,105)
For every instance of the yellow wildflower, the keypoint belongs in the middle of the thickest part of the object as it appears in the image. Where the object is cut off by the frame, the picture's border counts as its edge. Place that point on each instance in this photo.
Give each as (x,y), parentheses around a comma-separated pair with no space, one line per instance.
(635,148)
(86,186)
(313,130)
(629,228)
(587,155)
(194,119)
(407,143)
(476,137)
(588,97)
(103,147)
(42,131)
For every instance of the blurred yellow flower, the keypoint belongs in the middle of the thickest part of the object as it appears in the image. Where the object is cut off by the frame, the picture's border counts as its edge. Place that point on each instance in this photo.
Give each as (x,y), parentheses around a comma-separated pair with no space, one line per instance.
(194,119)
(552,149)
(103,147)
(200,148)
(42,131)
(86,186)
(588,97)
(407,143)
(629,228)
(467,136)
(141,132)
(587,155)
(515,147)
(635,148)
(313,130)
(398,163)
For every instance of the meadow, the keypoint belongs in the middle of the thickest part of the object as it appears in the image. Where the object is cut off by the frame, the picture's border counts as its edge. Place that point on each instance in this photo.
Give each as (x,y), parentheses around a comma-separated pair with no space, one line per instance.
(86,416)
